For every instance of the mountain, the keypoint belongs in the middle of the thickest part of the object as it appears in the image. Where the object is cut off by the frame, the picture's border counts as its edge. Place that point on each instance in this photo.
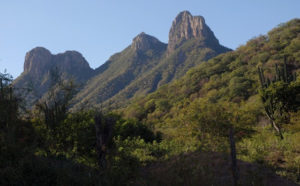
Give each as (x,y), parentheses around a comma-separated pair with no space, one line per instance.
(148,64)
(139,69)
(231,77)
(122,69)
(196,119)
(230,80)
(186,27)
(40,65)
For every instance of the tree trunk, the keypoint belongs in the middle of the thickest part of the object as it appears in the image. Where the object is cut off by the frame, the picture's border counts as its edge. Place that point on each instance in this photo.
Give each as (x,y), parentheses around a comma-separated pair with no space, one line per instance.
(277,129)
(99,142)
(275,126)
(104,128)
(233,156)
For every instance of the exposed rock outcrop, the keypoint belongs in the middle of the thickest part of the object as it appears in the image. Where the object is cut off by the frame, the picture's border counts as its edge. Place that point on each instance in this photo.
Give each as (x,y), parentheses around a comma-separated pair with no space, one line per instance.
(73,63)
(186,27)
(39,61)
(144,42)
(38,65)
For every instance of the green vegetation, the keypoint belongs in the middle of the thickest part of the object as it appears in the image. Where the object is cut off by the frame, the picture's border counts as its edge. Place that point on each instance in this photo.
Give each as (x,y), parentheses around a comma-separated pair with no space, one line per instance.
(209,127)
(280,97)
(135,73)
(120,71)
(56,147)
(186,110)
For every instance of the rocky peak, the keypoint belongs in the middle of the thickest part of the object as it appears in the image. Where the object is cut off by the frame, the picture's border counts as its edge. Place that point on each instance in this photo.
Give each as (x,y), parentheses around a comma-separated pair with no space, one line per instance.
(37,59)
(144,42)
(70,61)
(185,27)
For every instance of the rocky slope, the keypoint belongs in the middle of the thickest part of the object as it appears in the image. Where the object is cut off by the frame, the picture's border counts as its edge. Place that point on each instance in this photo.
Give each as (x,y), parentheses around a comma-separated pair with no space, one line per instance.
(190,42)
(121,70)
(40,65)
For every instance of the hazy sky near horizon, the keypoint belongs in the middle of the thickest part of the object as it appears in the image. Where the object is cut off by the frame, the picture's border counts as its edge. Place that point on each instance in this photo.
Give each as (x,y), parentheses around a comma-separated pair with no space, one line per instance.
(100,28)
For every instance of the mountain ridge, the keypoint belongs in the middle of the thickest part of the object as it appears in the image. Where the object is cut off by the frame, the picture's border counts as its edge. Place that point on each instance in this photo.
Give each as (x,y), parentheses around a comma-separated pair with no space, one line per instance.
(170,64)
(139,69)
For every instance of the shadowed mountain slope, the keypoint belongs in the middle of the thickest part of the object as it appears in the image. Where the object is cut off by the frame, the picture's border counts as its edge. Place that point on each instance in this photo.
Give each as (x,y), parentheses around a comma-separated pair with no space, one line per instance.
(40,65)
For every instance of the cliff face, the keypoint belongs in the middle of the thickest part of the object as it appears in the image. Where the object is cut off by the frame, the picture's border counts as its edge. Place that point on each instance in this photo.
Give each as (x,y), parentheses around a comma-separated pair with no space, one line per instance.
(38,65)
(185,27)
(39,61)
(74,64)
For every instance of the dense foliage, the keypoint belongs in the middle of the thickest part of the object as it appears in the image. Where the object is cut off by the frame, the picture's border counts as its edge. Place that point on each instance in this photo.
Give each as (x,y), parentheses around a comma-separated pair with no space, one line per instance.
(51,146)
(182,134)
(231,79)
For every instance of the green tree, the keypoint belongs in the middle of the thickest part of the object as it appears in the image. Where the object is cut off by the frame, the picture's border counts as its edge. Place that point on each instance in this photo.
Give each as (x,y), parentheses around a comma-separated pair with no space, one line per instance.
(8,102)
(280,96)
(52,110)
(222,120)
(17,135)
(77,137)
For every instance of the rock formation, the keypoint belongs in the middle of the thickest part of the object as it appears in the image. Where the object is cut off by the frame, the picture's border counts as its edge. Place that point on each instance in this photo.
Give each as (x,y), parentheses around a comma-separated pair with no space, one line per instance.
(39,61)
(38,65)
(144,42)
(185,27)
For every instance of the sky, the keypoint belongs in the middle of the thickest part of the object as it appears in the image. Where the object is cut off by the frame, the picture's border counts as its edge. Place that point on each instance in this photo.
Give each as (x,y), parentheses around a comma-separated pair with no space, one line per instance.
(99,28)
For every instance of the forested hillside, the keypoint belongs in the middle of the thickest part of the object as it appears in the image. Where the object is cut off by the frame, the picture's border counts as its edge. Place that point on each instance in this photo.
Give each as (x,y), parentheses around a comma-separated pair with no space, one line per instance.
(233,120)
(231,77)
(228,86)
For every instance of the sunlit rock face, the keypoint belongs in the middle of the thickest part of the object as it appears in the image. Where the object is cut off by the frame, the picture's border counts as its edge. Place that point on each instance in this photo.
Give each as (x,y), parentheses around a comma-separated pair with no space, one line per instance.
(144,42)
(185,27)
(39,61)
(39,67)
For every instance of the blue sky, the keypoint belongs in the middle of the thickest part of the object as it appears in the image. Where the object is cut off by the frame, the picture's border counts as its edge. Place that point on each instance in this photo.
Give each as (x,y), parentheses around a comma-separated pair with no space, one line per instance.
(100,28)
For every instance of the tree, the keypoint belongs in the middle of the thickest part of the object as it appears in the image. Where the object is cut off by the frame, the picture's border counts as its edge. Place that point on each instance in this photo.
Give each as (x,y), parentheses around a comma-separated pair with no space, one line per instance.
(8,102)
(104,134)
(222,120)
(53,109)
(279,96)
